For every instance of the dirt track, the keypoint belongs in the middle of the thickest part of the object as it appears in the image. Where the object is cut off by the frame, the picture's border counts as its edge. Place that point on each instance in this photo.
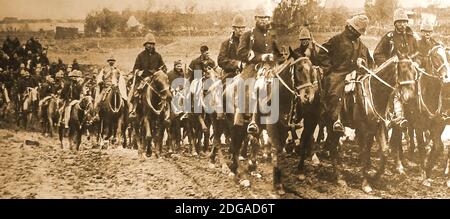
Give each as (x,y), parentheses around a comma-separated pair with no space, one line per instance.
(46,171)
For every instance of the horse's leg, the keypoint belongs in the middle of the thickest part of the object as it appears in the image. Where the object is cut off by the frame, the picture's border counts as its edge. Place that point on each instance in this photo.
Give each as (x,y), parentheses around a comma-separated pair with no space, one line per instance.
(306,142)
(396,144)
(148,137)
(207,133)
(422,151)
(332,143)
(237,137)
(216,146)
(274,132)
(254,145)
(412,144)
(436,150)
(61,135)
(77,137)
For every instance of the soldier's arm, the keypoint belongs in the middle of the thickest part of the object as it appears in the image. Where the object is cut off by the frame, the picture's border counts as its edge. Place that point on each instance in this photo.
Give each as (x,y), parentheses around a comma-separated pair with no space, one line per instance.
(382,50)
(224,61)
(162,65)
(137,63)
(323,56)
(243,48)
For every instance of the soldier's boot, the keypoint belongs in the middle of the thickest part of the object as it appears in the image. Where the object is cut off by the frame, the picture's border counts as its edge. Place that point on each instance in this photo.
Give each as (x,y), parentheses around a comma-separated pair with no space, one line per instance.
(132,108)
(398,118)
(252,127)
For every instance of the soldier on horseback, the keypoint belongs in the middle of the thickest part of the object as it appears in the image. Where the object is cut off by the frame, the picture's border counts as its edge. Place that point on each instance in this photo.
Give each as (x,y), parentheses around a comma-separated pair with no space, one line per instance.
(228,58)
(426,44)
(70,92)
(147,63)
(108,77)
(344,53)
(256,46)
(202,63)
(307,46)
(399,41)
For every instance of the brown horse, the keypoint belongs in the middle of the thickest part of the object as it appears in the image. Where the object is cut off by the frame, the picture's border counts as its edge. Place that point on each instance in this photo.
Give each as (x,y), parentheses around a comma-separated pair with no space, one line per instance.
(112,116)
(151,111)
(81,116)
(427,116)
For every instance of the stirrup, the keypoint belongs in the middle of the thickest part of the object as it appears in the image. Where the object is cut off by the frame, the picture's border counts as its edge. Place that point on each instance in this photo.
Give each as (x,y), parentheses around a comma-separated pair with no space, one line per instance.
(252,128)
(338,127)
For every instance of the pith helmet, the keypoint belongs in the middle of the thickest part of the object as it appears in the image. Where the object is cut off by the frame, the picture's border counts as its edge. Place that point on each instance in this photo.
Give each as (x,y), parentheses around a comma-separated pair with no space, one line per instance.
(238,21)
(426,27)
(149,38)
(304,34)
(400,15)
(76,73)
(359,23)
(262,11)
(111,58)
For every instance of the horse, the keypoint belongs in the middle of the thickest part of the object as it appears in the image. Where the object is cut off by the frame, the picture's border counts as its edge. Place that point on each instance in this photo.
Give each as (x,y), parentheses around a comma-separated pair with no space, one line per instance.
(406,83)
(29,105)
(112,116)
(431,91)
(151,110)
(81,116)
(305,105)
(50,114)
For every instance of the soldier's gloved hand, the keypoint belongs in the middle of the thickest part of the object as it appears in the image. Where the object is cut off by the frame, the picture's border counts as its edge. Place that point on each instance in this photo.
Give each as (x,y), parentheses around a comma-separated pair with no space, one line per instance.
(360,62)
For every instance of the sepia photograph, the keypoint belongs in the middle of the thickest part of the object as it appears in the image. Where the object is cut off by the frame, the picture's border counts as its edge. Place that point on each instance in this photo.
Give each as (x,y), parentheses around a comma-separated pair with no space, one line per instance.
(209,99)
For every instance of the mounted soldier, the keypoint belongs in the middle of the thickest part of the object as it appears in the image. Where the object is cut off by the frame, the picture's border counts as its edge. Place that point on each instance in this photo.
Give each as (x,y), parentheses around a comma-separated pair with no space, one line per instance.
(147,63)
(228,58)
(110,76)
(307,47)
(400,41)
(70,93)
(344,53)
(257,46)
(202,63)
(425,44)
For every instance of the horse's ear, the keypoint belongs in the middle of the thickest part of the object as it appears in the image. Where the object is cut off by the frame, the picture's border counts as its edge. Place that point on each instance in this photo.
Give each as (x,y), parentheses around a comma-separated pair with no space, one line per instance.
(292,53)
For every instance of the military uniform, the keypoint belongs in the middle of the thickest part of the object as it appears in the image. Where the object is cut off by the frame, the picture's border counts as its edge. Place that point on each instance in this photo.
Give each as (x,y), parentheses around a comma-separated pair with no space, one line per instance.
(149,63)
(228,58)
(199,64)
(393,43)
(309,50)
(344,51)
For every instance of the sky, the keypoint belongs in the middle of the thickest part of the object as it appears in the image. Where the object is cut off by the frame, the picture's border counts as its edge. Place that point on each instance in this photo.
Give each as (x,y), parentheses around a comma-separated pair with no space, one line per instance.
(78,9)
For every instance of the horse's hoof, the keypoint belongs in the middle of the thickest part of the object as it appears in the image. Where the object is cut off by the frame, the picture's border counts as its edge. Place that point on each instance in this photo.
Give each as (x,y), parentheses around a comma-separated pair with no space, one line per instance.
(427,182)
(194,154)
(241,158)
(315,160)
(170,151)
(211,166)
(231,175)
(301,177)
(280,190)
(366,187)
(342,183)
(245,183)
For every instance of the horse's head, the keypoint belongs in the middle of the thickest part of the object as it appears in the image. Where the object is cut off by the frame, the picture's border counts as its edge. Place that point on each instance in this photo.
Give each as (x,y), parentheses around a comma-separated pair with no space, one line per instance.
(161,85)
(306,79)
(406,78)
(438,58)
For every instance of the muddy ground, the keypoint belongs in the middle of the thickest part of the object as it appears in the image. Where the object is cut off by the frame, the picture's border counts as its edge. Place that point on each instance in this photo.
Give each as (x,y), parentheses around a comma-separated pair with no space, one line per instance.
(47,171)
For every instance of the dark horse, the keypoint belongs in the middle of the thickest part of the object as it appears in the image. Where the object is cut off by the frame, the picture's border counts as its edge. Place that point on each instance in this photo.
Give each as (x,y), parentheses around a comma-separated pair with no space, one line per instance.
(427,116)
(81,116)
(112,116)
(151,110)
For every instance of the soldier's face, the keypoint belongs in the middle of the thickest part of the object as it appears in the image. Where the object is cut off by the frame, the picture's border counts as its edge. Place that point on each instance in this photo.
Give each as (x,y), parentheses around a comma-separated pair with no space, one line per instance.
(263,21)
(238,31)
(178,67)
(426,34)
(401,25)
(205,54)
(150,46)
(304,42)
